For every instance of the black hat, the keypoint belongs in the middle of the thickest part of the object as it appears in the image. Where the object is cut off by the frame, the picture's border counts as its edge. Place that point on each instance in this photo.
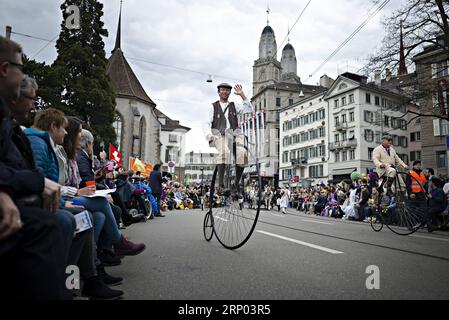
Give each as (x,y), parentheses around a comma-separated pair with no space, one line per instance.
(416,162)
(224,85)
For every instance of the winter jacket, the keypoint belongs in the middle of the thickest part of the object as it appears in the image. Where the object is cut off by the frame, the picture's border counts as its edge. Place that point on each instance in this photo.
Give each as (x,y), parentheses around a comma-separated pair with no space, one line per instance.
(44,154)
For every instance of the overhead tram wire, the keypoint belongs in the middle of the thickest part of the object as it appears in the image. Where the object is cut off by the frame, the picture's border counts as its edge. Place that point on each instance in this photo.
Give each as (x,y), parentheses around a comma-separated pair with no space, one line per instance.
(135,59)
(353,34)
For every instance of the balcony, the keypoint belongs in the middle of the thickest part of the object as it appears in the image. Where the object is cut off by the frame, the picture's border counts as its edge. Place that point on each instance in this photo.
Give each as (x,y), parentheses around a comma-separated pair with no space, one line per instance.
(348,144)
(301,162)
(341,126)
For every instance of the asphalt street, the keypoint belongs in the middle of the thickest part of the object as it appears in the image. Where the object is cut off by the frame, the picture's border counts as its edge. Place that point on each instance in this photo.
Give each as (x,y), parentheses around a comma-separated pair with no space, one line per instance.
(292,256)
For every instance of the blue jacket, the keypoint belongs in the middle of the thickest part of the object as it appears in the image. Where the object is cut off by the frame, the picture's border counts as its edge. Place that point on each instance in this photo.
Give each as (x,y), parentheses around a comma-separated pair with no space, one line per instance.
(44,154)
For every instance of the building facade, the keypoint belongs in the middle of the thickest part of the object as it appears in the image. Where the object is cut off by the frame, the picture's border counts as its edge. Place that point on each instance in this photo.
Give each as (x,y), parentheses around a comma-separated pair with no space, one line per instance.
(432,79)
(359,114)
(199,167)
(173,146)
(276,85)
(304,139)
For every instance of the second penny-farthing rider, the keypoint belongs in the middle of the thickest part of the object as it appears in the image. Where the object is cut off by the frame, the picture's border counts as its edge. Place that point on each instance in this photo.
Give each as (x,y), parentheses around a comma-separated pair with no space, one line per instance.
(386,160)
(225,132)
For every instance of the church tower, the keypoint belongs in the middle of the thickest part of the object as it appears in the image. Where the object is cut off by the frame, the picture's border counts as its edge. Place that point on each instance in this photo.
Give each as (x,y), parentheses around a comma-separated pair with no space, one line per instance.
(289,63)
(266,69)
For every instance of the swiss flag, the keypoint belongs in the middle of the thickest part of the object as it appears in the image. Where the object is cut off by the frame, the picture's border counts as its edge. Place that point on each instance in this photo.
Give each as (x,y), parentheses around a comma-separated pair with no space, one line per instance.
(115,155)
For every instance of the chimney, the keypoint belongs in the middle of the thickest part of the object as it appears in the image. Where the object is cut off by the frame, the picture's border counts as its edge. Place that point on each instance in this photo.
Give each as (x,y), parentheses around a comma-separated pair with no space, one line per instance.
(388,74)
(377,77)
(8,32)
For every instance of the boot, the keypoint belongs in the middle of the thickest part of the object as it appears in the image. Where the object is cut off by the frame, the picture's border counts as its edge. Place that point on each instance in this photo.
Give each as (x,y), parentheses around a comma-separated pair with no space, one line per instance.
(108,258)
(127,248)
(108,279)
(95,289)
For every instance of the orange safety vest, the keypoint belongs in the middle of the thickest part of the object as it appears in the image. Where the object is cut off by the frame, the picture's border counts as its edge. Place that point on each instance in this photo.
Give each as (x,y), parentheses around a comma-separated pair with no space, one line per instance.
(419,182)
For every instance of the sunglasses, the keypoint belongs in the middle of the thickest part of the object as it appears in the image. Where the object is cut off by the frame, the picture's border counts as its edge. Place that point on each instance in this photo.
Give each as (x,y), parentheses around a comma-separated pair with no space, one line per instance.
(22,67)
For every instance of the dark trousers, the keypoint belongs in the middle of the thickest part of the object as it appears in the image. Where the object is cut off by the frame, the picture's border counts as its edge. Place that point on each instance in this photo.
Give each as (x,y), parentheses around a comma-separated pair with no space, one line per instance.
(118,201)
(32,262)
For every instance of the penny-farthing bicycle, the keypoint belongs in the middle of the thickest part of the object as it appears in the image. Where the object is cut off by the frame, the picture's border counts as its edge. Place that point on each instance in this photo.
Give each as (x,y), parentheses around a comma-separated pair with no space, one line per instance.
(229,217)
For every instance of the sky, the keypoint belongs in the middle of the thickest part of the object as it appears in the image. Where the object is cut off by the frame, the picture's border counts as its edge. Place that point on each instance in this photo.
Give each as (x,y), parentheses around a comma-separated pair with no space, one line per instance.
(218,38)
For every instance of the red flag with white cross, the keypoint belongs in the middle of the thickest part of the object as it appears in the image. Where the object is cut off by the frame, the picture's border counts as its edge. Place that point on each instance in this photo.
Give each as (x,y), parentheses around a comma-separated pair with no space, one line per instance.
(115,155)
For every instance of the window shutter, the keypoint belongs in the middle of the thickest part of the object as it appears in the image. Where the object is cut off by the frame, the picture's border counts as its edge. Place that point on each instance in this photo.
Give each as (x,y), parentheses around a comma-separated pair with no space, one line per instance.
(436,127)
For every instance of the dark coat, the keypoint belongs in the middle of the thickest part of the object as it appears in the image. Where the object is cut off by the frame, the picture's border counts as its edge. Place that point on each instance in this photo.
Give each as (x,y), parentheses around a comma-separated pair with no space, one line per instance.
(156,182)
(85,168)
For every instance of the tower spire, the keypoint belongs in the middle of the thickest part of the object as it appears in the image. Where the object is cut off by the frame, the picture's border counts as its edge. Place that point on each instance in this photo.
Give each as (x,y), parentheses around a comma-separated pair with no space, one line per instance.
(402,66)
(268,14)
(288,34)
(118,38)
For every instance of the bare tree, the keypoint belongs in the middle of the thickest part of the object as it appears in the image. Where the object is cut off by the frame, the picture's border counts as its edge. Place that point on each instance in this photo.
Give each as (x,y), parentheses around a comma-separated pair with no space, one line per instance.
(423,21)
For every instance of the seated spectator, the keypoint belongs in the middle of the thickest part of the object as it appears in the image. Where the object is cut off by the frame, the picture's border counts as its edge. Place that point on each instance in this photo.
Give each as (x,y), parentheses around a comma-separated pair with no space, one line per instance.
(31,242)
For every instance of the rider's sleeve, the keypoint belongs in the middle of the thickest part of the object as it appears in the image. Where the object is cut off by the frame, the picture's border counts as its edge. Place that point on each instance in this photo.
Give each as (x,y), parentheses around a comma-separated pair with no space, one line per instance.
(399,161)
(376,158)
(210,119)
(245,107)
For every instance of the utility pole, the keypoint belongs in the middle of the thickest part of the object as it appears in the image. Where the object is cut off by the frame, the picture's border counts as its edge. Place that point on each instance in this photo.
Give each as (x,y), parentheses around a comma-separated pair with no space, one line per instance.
(8,32)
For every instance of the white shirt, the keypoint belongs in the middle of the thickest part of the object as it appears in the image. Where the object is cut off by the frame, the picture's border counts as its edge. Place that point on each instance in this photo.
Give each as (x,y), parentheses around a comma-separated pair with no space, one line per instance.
(245,107)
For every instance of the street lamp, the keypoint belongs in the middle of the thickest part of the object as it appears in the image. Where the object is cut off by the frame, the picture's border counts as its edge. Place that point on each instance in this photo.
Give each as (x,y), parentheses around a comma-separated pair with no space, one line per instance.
(202,171)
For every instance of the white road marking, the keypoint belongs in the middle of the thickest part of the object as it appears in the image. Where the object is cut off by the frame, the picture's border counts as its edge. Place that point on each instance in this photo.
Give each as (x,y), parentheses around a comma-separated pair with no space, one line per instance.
(310,245)
(430,238)
(221,218)
(314,221)
(277,215)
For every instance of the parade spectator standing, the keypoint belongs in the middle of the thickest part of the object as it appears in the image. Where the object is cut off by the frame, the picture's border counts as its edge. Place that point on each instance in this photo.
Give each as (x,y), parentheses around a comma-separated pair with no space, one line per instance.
(285,199)
(416,187)
(437,203)
(156,186)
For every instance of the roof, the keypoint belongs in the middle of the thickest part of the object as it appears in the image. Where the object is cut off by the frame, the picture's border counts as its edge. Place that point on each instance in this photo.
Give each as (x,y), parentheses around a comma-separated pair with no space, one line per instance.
(293,87)
(267,30)
(288,46)
(170,124)
(124,80)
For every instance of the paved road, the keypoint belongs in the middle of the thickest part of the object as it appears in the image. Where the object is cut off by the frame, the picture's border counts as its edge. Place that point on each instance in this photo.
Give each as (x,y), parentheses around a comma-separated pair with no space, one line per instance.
(293,256)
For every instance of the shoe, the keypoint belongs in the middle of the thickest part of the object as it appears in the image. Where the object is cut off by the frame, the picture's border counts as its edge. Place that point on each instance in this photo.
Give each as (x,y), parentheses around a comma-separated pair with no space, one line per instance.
(96,289)
(108,258)
(159,215)
(128,248)
(108,279)
(431,228)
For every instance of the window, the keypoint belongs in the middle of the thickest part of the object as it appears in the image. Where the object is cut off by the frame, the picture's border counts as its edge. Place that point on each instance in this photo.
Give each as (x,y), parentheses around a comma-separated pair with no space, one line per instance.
(368,98)
(404,142)
(386,121)
(352,155)
(337,156)
(351,98)
(415,136)
(344,156)
(316,171)
(440,127)
(142,138)
(440,69)
(172,138)
(351,117)
(368,116)
(290,102)
(344,136)
(441,159)
(322,151)
(336,103)
(351,135)
(322,114)
(377,137)
(377,101)
(403,124)
(337,138)
(285,157)
(278,102)
(322,132)
(370,153)
(343,118)
(343,101)
(415,155)
(337,121)
(118,129)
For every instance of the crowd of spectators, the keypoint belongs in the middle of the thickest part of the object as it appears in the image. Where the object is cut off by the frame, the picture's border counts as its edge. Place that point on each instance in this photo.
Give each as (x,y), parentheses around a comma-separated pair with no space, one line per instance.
(49,177)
